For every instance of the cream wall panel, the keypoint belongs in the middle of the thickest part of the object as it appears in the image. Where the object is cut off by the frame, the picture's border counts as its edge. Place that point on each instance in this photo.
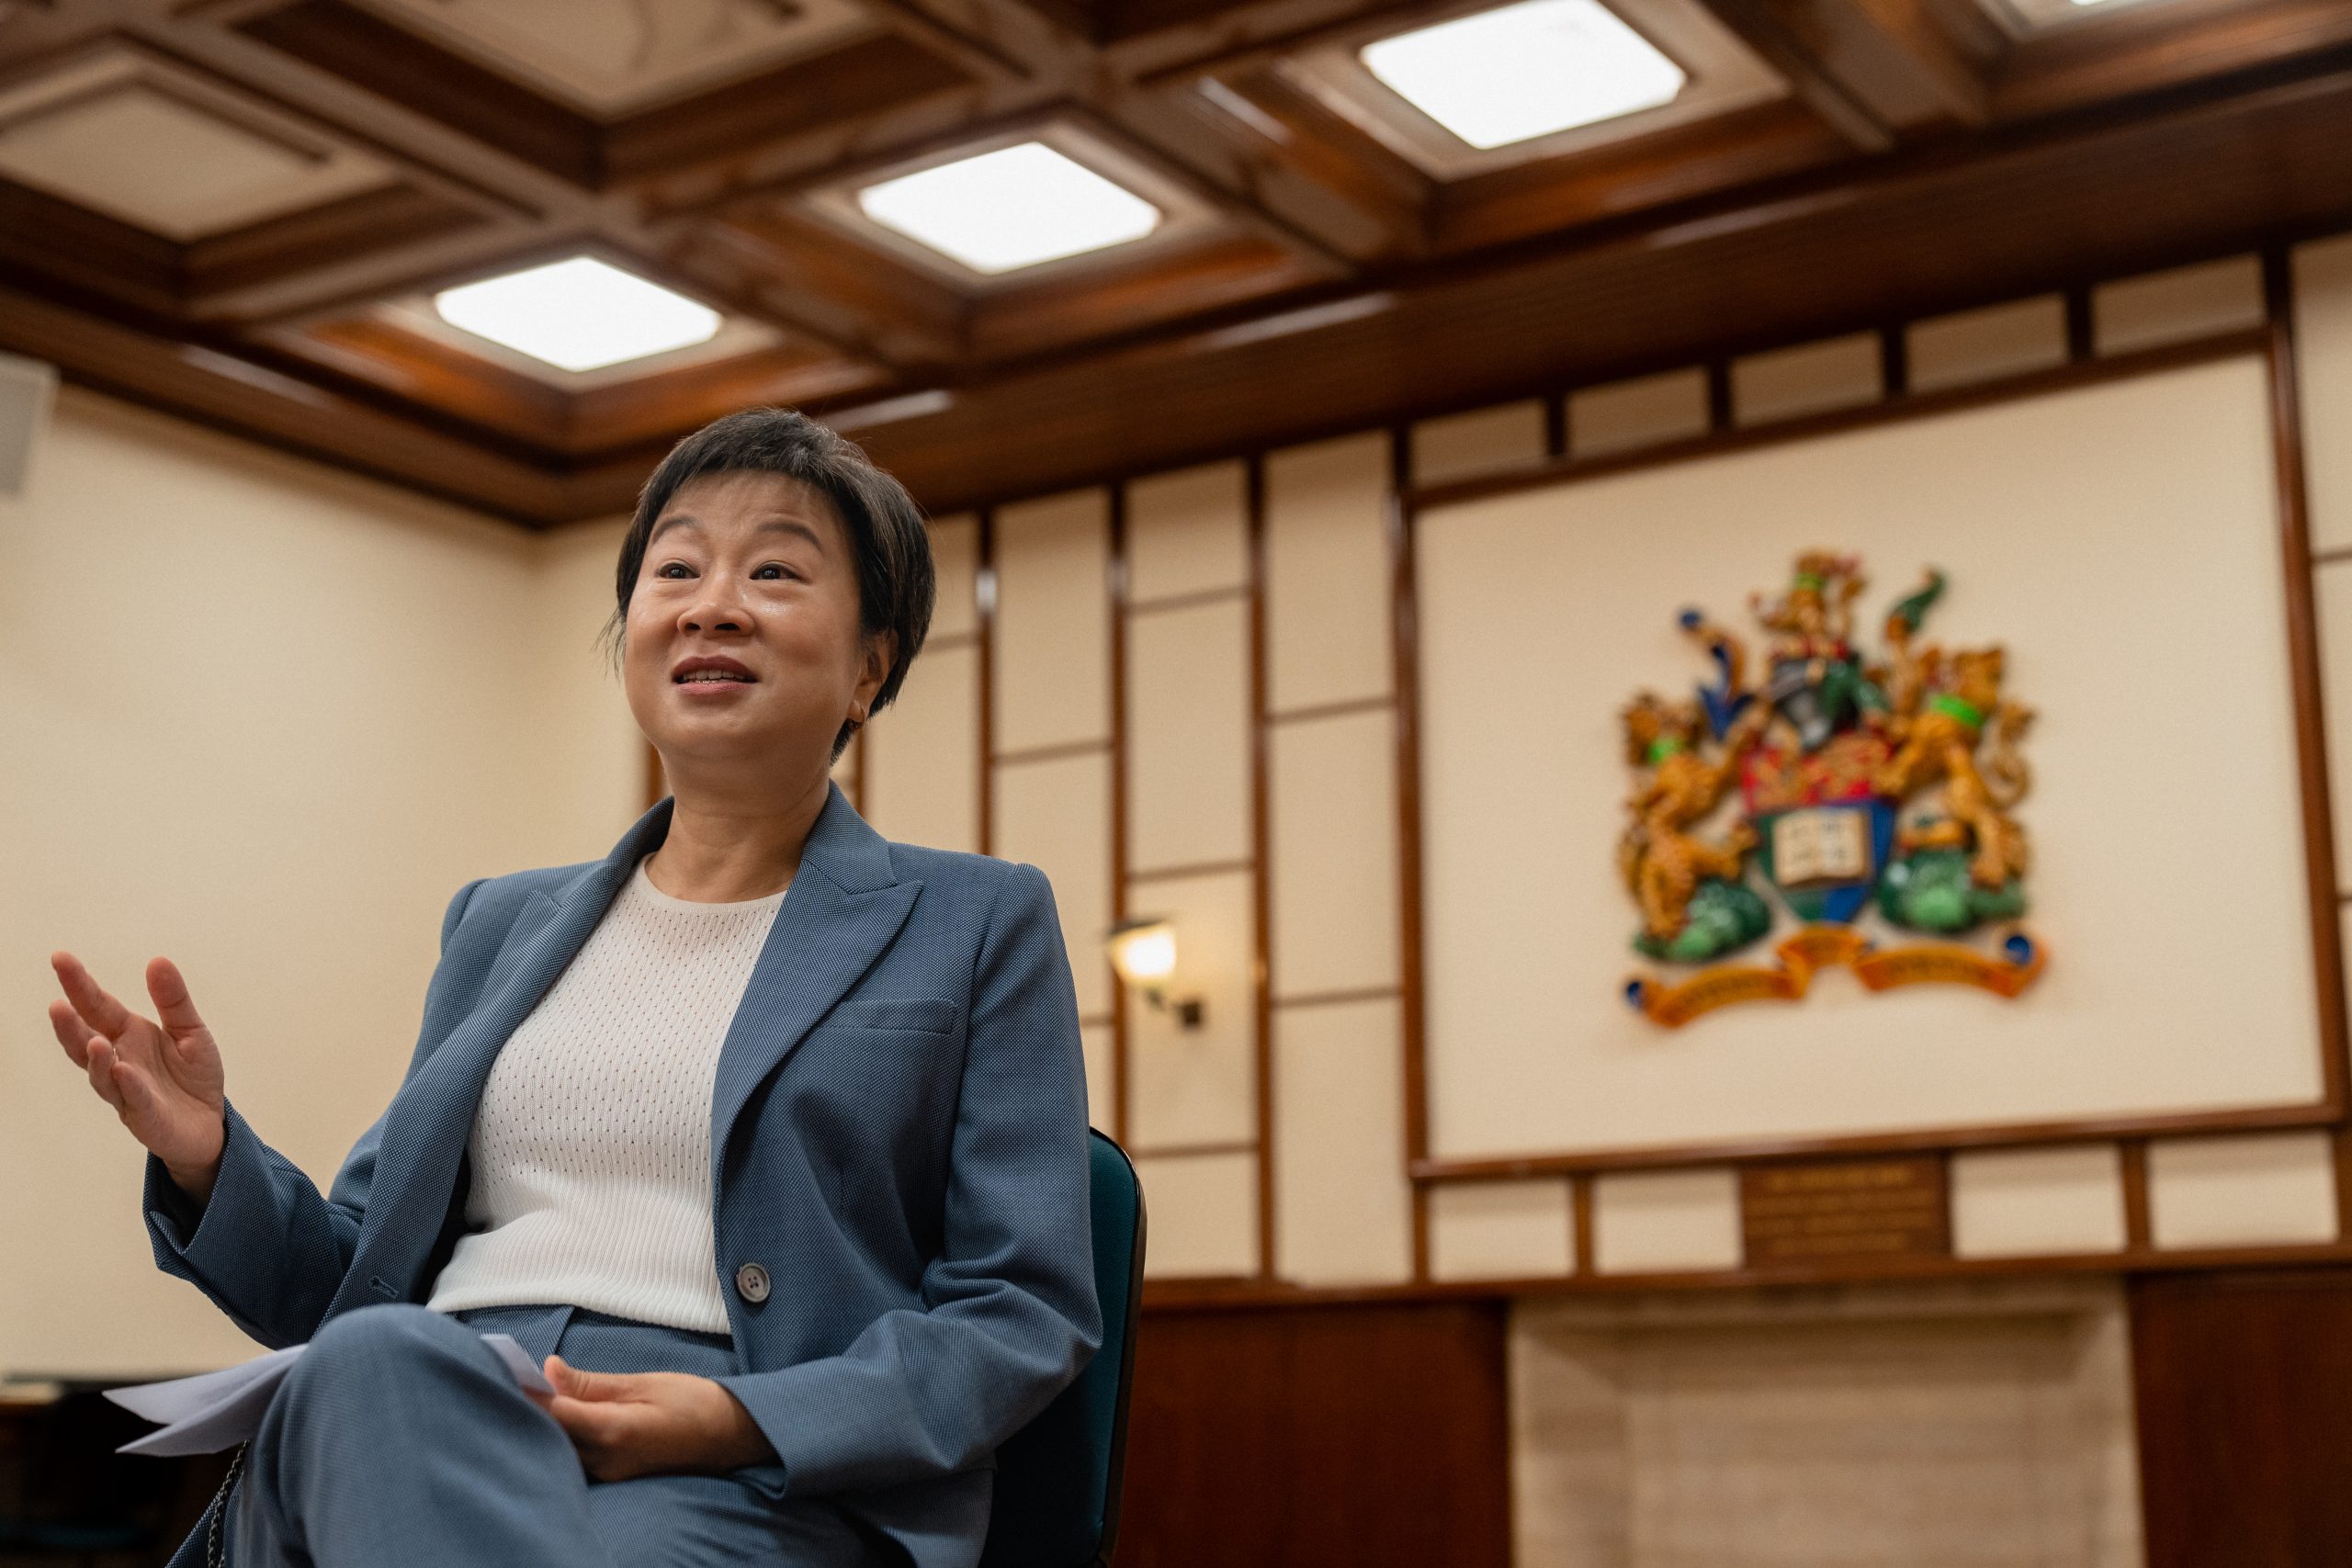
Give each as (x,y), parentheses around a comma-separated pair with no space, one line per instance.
(2158,489)
(2332,590)
(1197,1085)
(2036,1202)
(1343,1210)
(452,717)
(1655,1222)
(1643,412)
(1188,735)
(1332,841)
(1501,1230)
(1056,814)
(2158,307)
(1327,572)
(1102,1077)
(922,754)
(2242,1191)
(1462,445)
(2323,357)
(1053,621)
(1812,377)
(1980,346)
(1202,1214)
(955,558)
(1187,531)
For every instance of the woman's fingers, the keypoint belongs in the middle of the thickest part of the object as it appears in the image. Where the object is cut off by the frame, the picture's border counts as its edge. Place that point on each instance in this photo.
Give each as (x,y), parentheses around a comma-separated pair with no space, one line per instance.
(173,1007)
(72,1033)
(98,1009)
(101,1071)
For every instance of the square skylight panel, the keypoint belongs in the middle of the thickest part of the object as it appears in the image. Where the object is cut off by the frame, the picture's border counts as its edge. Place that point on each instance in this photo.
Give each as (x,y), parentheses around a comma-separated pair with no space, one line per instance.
(1523,71)
(578,314)
(1009,208)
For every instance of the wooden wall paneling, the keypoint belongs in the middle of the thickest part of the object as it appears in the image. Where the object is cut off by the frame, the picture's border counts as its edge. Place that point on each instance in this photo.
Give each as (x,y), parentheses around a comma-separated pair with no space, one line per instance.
(1645,412)
(1271,1225)
(1813,377)
(1187,736)
(1189,532)
(1336,929)
(2321,881)
(1056,812)
(1327,640)
(1654,1221)
(1203,1213)
(918,760)
(2178,305)
(1403,683)
(2132,1159)
(1342,1199)
(1501,1230)
(1114,591)
(1375,1436)
(1986,344)
(1504,435)
(2242,1396)
(2275,1189)
(1198,1086)
(2049,1201)
(1054,622)
(2323,297)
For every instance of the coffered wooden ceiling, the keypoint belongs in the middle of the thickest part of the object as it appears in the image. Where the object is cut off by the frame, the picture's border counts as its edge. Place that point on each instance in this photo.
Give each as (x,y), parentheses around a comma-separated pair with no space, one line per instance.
(239,209)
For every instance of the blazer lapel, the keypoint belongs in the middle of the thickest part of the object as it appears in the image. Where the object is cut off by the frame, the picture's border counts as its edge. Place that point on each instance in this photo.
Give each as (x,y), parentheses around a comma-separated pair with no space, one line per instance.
(841,910)
(430,1121)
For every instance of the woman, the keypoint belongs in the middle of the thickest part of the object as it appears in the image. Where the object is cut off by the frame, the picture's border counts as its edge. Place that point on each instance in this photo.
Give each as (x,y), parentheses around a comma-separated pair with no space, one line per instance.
(766,1134)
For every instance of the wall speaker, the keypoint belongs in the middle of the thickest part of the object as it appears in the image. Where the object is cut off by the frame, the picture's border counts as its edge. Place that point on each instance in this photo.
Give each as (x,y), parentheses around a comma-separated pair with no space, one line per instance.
(27,389)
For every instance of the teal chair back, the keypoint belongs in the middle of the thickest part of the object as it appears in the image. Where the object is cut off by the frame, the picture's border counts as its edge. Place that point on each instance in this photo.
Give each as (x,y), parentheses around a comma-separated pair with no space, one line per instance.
(1058,1479)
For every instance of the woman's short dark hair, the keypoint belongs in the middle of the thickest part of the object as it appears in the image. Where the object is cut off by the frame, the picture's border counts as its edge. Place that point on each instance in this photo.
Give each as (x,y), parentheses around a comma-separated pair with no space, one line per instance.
(896,582)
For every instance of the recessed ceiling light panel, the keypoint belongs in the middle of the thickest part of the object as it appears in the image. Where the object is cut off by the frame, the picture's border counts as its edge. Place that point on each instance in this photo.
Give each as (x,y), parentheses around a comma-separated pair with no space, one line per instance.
(578,314)
(1527,70)
(1012,207)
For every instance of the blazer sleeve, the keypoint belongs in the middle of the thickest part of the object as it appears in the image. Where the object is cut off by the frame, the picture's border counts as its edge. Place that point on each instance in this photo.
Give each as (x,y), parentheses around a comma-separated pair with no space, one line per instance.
(1010,1315)
(266,1248)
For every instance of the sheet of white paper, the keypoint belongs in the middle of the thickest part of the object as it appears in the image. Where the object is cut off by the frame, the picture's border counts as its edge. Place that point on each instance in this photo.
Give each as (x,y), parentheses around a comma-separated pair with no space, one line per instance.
(518,1362)
(213,1411)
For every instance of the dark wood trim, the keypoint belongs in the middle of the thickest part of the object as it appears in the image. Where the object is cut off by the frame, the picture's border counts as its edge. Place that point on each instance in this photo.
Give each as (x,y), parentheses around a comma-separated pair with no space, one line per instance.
(1115,588)
(952,639)
(1914,405)
(1310,711)
(2320,883)
(1198,1151)
(2082,328)
(984,629)
(1261,897)
(1186,601)
(1170,1295)
(1052,752)
(2340,1148)
(2015,1134)
(1580,1222)
(1339,998)
(1721,415)
(1893,361)
(1556,424)
(1198,868)
(2131,1155)
(1405,694)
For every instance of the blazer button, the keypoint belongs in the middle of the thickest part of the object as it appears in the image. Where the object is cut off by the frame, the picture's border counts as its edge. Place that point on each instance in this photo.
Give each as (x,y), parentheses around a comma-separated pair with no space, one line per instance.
(751,1284)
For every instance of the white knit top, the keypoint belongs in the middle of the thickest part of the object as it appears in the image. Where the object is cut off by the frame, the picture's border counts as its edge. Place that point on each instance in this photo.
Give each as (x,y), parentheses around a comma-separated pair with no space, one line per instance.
(590,1149)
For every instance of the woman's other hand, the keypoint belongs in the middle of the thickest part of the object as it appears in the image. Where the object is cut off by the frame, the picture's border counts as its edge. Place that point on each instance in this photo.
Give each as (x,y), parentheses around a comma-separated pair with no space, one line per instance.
(631,1424)
(164,1080)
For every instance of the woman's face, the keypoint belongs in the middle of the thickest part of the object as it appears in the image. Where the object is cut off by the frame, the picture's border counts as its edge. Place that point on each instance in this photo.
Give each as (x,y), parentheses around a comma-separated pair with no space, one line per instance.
(742,643)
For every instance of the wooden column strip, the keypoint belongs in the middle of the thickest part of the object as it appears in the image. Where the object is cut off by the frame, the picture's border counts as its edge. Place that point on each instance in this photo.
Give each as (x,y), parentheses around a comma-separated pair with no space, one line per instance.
(1405,685)
(2082,339)
(2136,1230)
(1580,1217)
(2303,663)
(1261,902)
(983,591)
(1116,586)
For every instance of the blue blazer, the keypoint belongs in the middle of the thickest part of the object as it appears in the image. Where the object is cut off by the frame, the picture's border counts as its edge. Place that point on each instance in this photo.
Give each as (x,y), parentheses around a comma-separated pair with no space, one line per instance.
(898,1138)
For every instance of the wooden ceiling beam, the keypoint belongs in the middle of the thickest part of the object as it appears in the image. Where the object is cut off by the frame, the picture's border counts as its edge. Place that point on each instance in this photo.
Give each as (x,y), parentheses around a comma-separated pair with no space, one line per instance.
(1779,32)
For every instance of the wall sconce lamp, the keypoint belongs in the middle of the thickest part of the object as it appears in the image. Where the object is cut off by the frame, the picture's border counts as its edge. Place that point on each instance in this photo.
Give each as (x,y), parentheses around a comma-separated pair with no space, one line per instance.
(1144,953)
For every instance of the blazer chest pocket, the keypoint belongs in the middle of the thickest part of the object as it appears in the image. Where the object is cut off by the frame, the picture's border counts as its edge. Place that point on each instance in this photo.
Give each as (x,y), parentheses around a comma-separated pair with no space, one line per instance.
(925,1015)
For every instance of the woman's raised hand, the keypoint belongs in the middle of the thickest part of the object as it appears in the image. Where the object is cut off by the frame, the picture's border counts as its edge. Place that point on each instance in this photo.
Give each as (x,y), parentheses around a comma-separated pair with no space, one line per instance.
(164,1081)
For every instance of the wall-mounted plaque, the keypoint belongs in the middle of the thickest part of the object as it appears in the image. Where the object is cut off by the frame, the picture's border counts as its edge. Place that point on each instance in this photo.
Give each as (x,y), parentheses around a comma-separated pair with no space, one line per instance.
(1830,1210)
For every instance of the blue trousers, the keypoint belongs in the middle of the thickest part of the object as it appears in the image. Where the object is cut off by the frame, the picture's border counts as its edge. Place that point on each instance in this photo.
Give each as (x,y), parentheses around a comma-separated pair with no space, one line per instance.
(400,1438)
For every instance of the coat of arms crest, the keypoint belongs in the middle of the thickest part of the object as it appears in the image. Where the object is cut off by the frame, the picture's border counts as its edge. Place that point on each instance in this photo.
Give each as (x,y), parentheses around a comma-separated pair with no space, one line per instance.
(1866,786)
